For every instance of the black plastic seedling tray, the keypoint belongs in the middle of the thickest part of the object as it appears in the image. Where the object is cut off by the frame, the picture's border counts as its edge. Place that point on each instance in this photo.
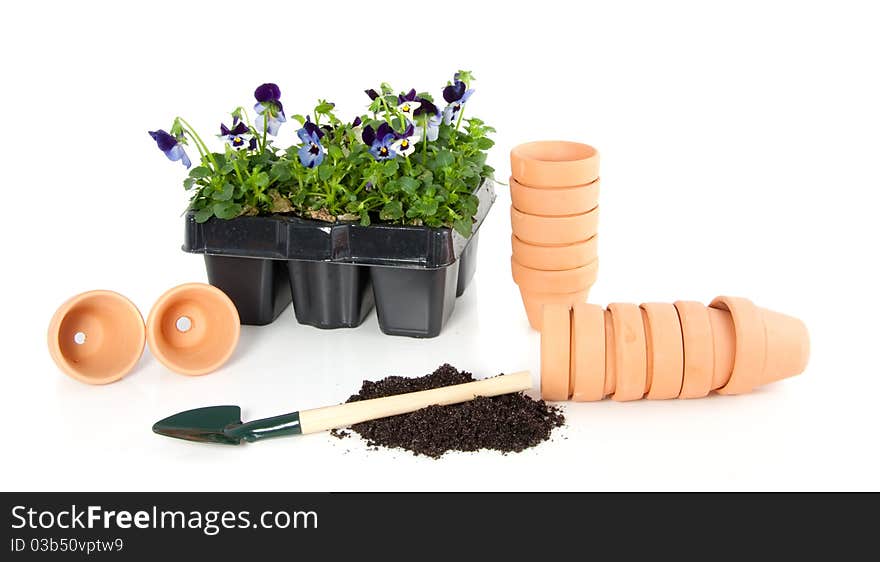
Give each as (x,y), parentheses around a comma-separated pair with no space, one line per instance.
(336,272)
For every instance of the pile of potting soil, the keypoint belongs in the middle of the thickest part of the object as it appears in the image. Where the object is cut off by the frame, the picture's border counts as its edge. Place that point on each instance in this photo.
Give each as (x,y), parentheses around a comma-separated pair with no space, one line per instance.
(506,423)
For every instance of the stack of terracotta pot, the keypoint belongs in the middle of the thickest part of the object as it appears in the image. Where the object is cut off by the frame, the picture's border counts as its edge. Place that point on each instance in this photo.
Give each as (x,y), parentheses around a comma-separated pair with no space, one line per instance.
(659,351)
(554,187)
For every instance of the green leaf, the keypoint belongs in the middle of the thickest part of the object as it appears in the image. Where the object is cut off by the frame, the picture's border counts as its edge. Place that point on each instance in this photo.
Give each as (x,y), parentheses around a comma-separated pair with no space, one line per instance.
(408,185)
(188,183)
(324,172)
(226,210)
(260,180)
(464,226)
(365,218)
(335,152)
(204,214)
(324,107)
(485,143)
(444,158)
(225,193)
(390,168)
(426,177)
(392,210)
(465,76)
(200,172)
(280,171)
(299,118)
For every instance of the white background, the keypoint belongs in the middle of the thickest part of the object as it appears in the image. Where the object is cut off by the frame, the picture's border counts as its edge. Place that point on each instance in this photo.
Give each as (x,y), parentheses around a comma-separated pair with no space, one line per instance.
(739,156)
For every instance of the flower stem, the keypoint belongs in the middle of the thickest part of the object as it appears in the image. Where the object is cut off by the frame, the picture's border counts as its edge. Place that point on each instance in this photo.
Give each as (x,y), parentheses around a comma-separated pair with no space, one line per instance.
(425,129)
(460,115)
(265,129)
(199,143)
(388,113)
(232,157)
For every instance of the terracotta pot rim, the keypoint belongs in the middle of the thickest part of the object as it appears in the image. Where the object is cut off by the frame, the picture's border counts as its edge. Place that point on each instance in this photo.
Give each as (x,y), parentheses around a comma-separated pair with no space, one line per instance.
(587,353)
(518,240)
(556,352)
(556,217)
(153,328)
(750,344)
(630,355)
(665,350)
(595,182)
(698,347)
(55,325)
(589,270)
(530,151)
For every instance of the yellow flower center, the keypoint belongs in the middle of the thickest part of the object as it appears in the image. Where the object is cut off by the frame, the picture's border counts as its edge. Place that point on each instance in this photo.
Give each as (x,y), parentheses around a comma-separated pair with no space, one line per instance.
(406,108)
(404,144)
(383,151)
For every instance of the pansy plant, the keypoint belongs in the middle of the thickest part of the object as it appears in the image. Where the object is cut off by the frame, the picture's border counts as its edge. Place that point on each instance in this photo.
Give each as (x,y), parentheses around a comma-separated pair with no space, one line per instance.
(403,162)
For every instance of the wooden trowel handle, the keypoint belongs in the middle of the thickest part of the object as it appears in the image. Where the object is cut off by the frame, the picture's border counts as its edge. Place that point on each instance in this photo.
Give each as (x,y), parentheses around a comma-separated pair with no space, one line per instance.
(344,415)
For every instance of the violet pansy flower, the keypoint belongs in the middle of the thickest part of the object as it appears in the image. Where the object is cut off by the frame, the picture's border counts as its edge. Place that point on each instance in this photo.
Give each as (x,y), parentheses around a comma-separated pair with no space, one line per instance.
(427,120)
(379,141)
(408,104)
(405,143)
(239,136)
(171,146)
(456,94)
(311,153)
(269,108)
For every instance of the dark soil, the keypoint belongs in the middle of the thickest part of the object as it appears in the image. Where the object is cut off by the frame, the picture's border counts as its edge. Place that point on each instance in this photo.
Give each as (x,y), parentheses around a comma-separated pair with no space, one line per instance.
(508,423)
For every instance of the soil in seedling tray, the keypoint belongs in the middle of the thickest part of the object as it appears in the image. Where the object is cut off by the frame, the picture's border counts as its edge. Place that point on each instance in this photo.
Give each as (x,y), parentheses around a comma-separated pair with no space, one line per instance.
(507,423)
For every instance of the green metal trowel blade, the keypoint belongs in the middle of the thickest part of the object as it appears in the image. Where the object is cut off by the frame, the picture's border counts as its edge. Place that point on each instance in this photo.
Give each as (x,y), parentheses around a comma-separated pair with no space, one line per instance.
(205,425)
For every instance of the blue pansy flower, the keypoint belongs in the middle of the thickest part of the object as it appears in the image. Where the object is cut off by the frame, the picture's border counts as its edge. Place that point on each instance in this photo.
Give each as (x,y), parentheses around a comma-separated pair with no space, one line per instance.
(171,146)
(405,143)
(456,94)
(311,153)
(379,141)
(269,108)
(239,136)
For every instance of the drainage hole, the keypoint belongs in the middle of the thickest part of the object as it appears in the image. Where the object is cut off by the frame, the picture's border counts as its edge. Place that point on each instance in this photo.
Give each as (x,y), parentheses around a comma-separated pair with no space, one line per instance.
(79,338)
(184,324)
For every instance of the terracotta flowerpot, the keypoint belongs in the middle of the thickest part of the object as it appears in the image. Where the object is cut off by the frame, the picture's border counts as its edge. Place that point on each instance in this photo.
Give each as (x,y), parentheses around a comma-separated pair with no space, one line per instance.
(535,301)
(696,334)
(554,231)
(788,346)
(554,202)
(665,350)
(769,346)
(748,362)
(724,346)
(568,281)
(587,353)
(556,352)
(554,163)
(630,352)
(193,329)
(96,337)
(555,258)
(610,361)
